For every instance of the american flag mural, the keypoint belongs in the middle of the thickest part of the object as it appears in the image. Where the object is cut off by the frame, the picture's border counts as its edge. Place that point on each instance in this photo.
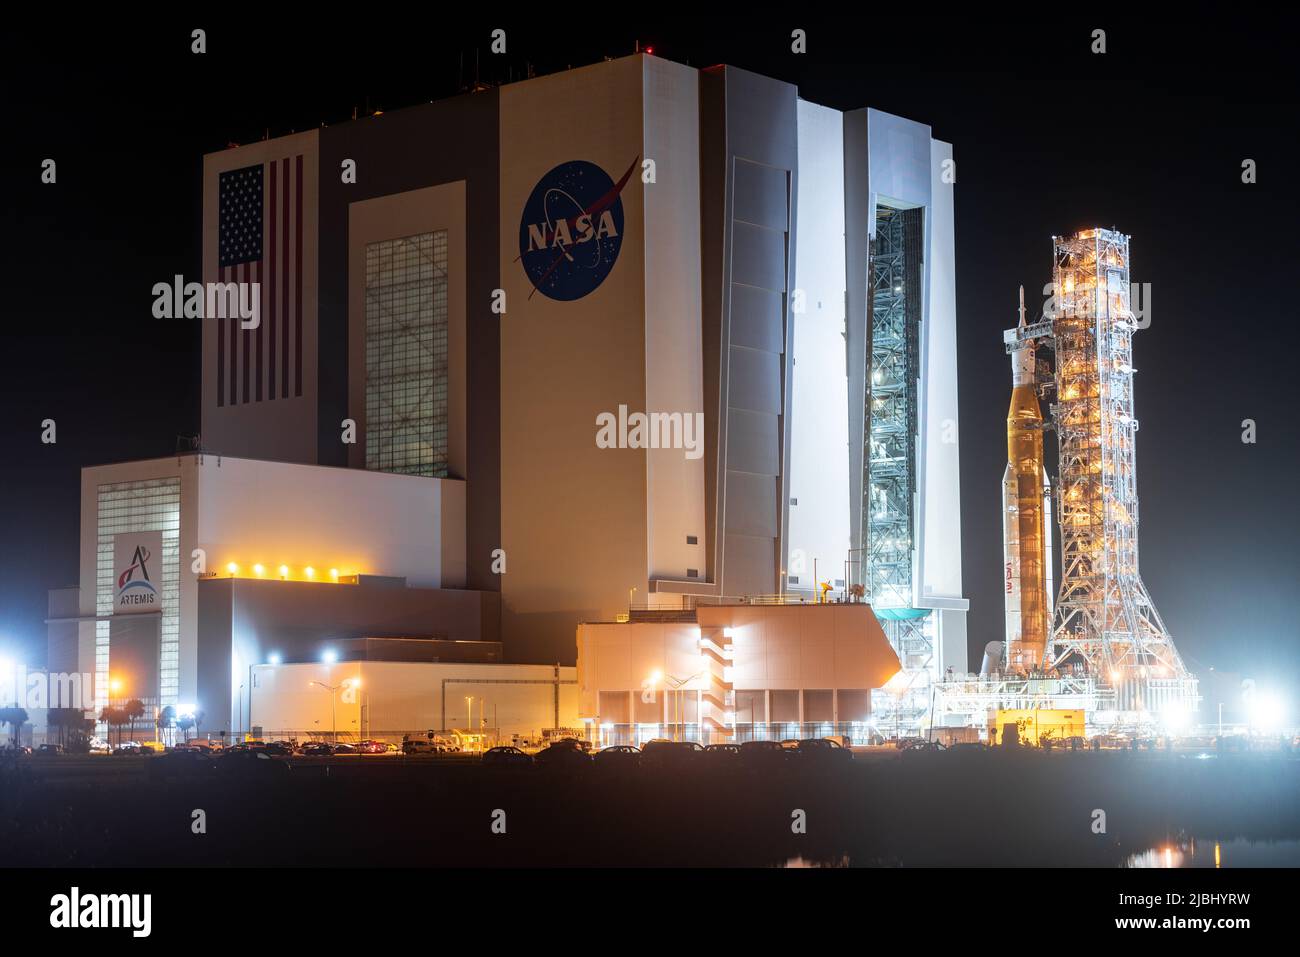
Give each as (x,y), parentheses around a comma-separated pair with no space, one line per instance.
(260,211)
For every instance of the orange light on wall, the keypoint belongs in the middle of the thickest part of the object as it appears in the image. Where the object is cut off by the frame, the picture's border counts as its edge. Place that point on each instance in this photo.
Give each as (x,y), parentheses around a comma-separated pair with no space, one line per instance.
(285,572)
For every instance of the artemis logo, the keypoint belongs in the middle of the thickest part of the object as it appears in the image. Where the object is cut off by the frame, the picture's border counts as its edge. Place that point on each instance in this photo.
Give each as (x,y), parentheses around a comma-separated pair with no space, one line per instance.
(133,585)
(103,910)
(572,229)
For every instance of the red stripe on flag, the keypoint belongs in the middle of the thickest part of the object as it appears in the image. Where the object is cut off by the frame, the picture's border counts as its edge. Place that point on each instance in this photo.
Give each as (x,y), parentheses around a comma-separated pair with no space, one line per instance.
(297,283)
(233,323)
(284,295)
(270,280)
(221,350)
(257,277)
(247,269)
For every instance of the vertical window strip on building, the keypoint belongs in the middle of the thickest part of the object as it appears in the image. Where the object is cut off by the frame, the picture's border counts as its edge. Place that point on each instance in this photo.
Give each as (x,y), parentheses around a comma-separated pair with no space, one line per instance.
(124,508)
(406,355)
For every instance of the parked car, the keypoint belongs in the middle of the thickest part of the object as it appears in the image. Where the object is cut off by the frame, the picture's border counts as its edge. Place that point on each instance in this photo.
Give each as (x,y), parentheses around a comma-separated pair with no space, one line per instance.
(506,757)
(345,748)
(416,746)
(16,750)
(252,761)
(661,754)
(182,763)
(562,754)
(129,749)
(823,750)
(317,749)
(48,749)
(372,747)
(619,755)
(722,754)
(762,754)
(278,749)
(921,746)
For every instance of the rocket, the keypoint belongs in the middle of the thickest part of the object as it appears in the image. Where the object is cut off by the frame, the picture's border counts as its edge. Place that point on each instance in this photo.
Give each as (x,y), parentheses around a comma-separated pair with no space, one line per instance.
(1026,498)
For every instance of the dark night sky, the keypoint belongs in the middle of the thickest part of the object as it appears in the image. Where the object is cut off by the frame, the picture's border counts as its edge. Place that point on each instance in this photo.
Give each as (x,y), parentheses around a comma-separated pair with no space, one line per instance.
(1048,138)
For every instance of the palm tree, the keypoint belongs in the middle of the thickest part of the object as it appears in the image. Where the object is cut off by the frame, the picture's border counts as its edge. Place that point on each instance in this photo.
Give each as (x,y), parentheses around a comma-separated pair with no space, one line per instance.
(166,720)
(113,717)
(82,729)
(16,718)
(62,719)
(134,712)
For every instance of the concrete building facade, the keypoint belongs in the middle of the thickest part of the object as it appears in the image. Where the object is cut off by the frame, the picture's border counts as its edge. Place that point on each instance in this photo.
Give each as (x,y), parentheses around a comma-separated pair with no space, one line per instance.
(607,339)
(735,672)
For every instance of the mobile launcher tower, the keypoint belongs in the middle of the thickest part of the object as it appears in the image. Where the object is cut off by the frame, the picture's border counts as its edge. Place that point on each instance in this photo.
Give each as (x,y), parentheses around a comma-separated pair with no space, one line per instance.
(1105,626)
(1106,650)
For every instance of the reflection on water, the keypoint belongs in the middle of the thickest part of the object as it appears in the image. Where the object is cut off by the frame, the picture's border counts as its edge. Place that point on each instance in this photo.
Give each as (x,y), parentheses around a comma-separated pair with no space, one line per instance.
(1234,853)
(1180,852)
(801,862)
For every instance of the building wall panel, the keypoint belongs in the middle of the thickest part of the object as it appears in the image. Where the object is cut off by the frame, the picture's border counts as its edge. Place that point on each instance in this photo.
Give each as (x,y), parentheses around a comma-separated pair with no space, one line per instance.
(573,515)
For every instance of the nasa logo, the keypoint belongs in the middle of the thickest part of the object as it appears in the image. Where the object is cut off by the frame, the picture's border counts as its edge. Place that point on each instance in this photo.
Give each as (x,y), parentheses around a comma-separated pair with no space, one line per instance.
(572,229)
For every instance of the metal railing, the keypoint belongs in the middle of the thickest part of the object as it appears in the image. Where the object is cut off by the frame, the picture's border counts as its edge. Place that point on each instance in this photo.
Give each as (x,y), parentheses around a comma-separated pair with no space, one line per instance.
(691,602)
(855,732)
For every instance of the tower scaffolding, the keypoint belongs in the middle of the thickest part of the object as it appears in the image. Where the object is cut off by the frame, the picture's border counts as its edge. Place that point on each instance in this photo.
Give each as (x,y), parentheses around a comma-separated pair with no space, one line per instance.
(892,426)
(1105,619)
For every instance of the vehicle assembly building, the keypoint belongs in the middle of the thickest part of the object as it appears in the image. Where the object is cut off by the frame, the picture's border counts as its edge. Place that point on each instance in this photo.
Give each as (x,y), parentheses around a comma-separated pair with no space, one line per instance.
(437,427)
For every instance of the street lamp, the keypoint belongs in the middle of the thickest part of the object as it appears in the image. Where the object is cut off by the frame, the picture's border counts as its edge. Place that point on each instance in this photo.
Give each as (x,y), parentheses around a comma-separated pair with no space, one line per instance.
(333,690)
(677,684)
